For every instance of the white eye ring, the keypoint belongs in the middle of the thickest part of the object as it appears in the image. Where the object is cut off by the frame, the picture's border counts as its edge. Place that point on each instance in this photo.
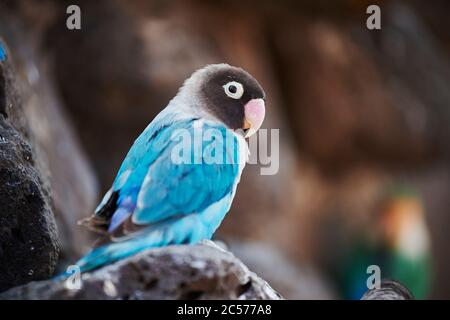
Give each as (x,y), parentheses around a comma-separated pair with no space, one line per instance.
(236,87)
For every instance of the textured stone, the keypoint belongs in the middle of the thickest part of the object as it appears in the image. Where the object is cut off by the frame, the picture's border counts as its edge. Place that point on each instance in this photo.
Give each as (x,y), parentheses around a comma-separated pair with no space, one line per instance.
(59,157)
(177,272)
(28,236)
(389,290)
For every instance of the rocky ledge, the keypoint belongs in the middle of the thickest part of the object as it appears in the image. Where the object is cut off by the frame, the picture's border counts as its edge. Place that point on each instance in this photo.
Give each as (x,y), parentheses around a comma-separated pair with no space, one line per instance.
(201,271)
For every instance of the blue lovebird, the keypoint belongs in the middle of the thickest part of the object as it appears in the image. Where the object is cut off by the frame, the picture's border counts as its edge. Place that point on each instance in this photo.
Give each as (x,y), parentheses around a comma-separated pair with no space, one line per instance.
(179,178)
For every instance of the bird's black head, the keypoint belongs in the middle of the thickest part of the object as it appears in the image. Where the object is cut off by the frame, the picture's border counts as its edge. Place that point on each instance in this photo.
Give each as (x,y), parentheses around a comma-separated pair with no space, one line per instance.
(233,96)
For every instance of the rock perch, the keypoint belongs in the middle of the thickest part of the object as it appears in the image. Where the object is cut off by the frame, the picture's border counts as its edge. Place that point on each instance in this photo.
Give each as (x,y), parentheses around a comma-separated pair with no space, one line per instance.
(176,272)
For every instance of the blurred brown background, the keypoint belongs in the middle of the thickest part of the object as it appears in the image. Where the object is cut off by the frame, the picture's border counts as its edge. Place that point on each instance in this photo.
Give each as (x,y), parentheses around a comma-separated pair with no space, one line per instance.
(359,111)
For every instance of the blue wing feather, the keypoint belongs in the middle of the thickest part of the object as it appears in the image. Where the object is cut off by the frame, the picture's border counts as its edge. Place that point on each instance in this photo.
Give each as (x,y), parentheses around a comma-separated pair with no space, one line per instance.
(188,187)
(173,189)
(2,52)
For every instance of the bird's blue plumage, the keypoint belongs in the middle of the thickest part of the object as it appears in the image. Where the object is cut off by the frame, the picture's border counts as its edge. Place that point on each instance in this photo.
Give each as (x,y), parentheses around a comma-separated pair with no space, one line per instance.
(172,203)
(2,52)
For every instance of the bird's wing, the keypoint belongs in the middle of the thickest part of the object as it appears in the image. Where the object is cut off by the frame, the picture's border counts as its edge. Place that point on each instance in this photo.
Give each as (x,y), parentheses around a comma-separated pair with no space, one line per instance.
(153,186)
(128,180)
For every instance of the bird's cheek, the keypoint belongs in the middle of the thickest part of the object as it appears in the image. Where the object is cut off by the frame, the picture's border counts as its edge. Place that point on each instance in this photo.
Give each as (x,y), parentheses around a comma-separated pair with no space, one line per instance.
(255,112)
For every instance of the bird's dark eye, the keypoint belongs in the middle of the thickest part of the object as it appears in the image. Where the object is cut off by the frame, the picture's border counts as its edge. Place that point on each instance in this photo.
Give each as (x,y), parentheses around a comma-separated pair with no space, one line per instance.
(234,89)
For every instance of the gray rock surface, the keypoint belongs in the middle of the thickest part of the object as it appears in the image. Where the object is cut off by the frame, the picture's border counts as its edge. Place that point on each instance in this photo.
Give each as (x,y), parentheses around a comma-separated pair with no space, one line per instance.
(28,236)
(36,110)
(46,181)
(389,290)
(176,272)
